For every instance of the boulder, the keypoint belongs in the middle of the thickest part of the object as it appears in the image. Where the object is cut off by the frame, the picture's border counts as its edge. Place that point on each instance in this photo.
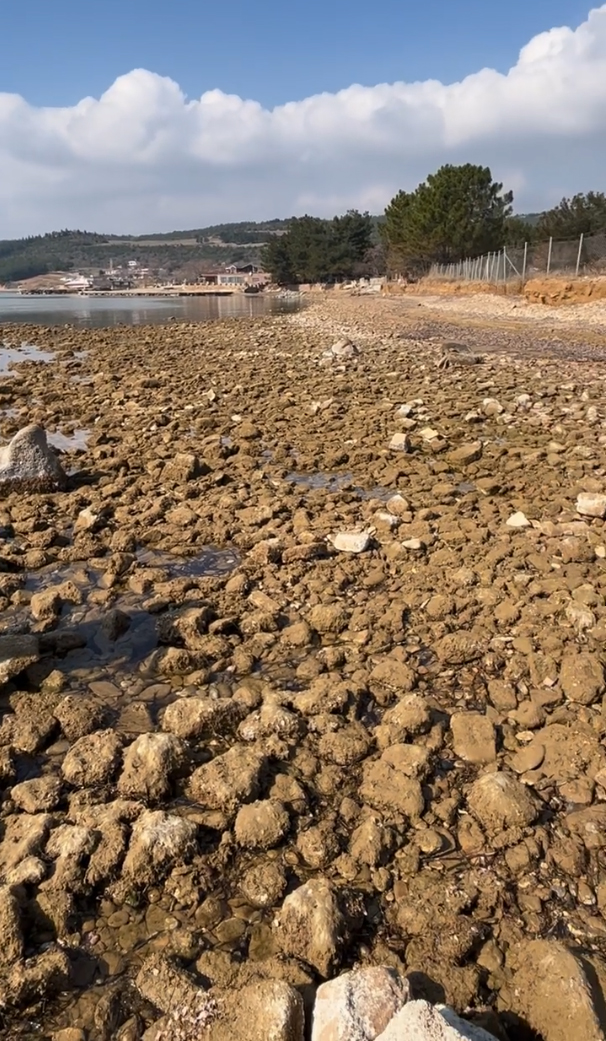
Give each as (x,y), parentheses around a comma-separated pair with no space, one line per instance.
(261,825)
(93,759)
(150,765)
(500,801)
(420,1021)
(358,1005)
(310,926)
(473,737)
(158,841)
(28,463)
(569,1001)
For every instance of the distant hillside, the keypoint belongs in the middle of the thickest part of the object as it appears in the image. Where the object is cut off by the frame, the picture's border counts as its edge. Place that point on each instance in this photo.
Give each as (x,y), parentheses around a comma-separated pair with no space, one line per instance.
(176,252)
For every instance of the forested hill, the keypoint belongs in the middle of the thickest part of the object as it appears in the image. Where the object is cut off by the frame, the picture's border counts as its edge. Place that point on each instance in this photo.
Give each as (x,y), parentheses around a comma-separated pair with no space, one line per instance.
(176,252)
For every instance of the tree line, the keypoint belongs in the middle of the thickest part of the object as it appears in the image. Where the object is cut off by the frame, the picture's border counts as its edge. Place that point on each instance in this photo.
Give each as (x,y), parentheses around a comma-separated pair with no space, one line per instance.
(457,212)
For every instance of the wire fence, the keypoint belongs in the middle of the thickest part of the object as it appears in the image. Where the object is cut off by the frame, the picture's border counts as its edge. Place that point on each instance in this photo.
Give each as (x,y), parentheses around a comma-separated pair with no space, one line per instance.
(583,256)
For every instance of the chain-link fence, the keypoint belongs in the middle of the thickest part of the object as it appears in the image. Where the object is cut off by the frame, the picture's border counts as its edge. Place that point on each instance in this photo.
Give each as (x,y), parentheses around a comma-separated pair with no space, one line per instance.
(583,256)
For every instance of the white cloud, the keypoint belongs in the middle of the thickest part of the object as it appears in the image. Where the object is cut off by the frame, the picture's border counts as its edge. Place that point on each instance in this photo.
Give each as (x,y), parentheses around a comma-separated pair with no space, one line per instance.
(143,157)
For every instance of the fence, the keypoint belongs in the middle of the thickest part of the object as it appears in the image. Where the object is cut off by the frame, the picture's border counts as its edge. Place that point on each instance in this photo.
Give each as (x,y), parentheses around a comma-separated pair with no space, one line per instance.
(583,256)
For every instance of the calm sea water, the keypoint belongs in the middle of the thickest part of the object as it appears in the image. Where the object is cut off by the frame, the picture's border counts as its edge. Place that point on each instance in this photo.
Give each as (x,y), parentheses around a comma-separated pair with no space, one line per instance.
(105,311)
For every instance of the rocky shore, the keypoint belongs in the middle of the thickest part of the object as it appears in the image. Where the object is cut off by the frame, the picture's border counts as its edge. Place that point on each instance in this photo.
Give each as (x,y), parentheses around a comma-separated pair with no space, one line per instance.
(302,657)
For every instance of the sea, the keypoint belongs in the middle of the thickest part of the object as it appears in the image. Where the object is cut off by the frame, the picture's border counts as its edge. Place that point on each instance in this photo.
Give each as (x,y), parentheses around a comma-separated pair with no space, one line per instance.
(105,311)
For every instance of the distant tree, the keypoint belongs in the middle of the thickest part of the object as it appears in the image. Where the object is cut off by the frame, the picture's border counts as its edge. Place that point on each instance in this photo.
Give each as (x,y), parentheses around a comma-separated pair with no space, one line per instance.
(457,212)
(315,250)
(518,231)
(583,214)
(352,239)
(275,259)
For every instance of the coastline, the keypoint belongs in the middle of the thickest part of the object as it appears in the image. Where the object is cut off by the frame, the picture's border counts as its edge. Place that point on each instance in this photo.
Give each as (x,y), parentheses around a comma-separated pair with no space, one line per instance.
(371,698)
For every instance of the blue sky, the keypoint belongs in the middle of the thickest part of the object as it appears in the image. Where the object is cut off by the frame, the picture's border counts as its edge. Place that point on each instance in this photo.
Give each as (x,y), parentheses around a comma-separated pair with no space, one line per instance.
(140,116)
(55,52)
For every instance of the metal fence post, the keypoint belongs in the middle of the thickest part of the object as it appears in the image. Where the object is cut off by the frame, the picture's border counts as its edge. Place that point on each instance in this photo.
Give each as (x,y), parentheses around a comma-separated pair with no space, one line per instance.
(549,255)
(524,262)
(579,254)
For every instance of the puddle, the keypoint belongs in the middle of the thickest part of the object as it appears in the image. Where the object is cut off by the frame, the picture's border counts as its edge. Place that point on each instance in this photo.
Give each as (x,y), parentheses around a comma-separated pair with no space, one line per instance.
(465,487)
(10,413)
(210,562)
(10,356)
(339,482)
(77,441)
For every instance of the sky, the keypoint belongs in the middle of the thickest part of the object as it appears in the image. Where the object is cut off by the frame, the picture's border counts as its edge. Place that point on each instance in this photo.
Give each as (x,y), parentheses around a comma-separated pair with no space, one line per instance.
(136,116)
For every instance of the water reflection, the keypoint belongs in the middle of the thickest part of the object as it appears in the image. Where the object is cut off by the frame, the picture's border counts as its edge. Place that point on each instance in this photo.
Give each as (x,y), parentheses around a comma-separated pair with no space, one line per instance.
(108,311)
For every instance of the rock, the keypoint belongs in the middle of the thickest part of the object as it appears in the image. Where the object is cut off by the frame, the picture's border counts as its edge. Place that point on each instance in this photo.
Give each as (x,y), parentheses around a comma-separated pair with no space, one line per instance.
(266,1010)
(17,653)
(78,715)
(420,1021)
(46,605)
(328,618)
(400,443)
(466,454)
(11,948)
(86,520)
(93,759)
(358,1005)
(183,467)
(151,764)
(69,1034)
(559,991)
(261,825)
(591,505)
(518,520)
(342,350)
(29,464)
(409,717)
(492,407)
(228,780)
(189,718)
(37,978)
(158,841)
(23,837)
(165,985)
(309,925)
(458,648)
(500,801)
(264,885)
(390,783)
(473,737)
(351,541)
(38,795)
(582,677)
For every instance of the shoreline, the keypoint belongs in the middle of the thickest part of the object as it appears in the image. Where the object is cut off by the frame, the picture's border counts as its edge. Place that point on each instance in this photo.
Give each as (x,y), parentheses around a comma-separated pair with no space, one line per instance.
(416,728)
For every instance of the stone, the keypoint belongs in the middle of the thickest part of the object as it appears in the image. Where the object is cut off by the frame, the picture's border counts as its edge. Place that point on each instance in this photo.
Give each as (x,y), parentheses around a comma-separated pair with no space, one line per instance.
(474,738)
(389,783)
(228,780)
(582,677)
(39,977)
(261,825)
(189,718)
(342,350)
(29,464)
(93,759)
(46,604)
(420,1021)
(11,948)
(17,653)
(328,618)
(309,925)
(518,520)
(23,836)
(264,1010)
(500,801)
(165,985)
(591,505)
(264,884)
(466,454)
(38,795)
(358,1005)
(158,841)
(400,443)
(569,1001)
(151,764)
(351,541)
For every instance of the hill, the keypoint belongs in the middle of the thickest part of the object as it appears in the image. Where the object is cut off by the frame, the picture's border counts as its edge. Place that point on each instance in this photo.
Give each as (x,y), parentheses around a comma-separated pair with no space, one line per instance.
(177,253)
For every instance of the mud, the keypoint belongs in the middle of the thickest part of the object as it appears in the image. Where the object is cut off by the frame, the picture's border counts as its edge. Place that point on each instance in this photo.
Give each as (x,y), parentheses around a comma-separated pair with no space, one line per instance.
(233,725)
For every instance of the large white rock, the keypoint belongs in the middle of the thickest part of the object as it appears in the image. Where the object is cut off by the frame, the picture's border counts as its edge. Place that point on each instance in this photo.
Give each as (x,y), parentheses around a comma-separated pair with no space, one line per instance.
(29,463)
(358,1005)
(591,505)
(420,1021)
(351,541)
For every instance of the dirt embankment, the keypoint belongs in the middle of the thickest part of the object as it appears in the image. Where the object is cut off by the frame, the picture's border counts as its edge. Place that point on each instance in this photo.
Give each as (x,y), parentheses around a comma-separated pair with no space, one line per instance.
(550,291)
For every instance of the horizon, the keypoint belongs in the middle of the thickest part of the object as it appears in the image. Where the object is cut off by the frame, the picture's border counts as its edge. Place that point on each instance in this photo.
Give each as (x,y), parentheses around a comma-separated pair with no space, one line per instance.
(86,143)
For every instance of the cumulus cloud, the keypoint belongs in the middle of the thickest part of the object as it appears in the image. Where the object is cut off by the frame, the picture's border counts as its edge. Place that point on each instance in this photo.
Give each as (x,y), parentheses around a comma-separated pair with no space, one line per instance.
(144,157)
